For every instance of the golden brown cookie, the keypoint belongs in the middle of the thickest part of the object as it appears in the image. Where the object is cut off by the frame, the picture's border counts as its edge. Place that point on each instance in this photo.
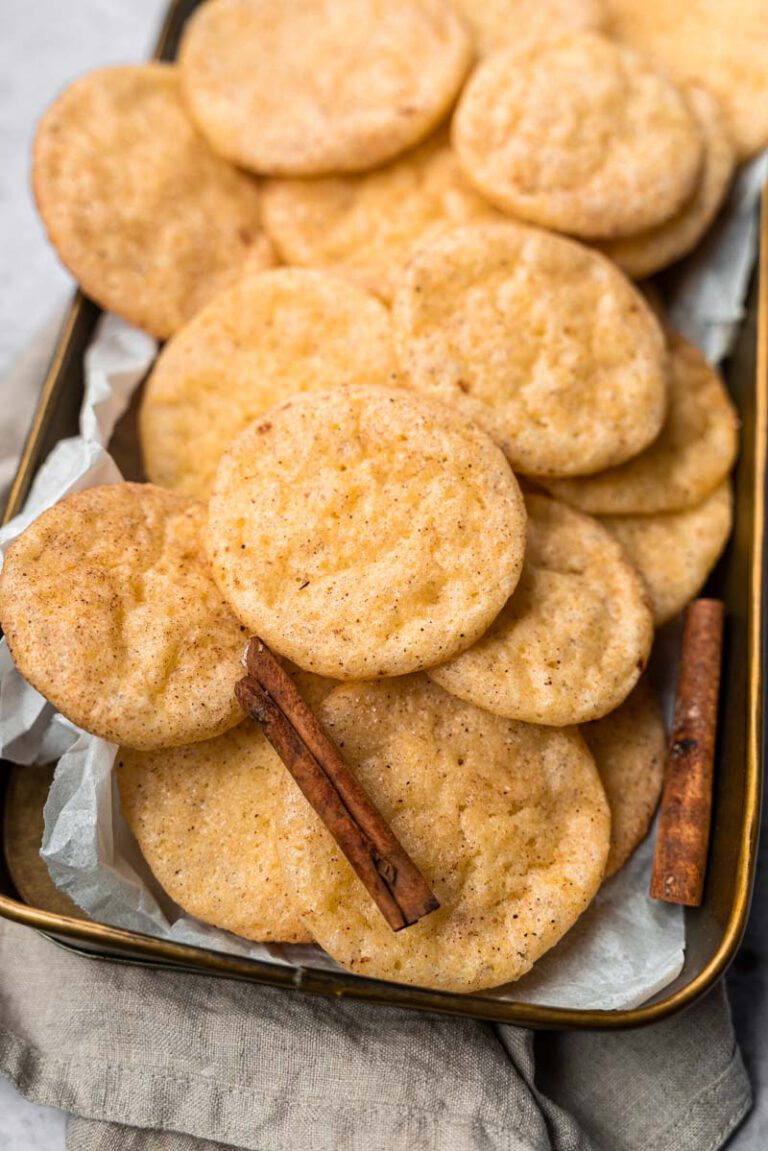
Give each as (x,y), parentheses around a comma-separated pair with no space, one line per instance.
(310,87)
(365,532)
(573,639)
(272,335)
(205,819)
(508,823)
(579,135)
(314,689)
(539,340)
(675,552)
(148,220)
(648,252)
(110,611)
(692,455)
(524,24)
(365,227)
(629,747)
(721,46)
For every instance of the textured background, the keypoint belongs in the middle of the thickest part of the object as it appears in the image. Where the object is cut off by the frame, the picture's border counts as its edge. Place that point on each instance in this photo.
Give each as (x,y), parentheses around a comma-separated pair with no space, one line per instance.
(43,45)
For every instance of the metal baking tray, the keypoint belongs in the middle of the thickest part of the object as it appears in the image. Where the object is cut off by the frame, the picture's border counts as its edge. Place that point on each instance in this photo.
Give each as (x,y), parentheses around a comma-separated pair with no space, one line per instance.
(713,931)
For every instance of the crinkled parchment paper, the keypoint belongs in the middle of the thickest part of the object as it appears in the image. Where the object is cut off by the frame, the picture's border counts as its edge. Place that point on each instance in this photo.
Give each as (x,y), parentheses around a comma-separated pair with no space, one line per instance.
(623,950)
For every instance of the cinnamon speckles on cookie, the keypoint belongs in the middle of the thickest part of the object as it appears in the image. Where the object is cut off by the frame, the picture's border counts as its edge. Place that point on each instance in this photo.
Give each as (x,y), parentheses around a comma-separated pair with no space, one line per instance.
(537,339)
(149,220)
(271,336)
(110,610)
(304,87)
(205,817)
(366,532)
(508,823)
(573,639)
(580,135)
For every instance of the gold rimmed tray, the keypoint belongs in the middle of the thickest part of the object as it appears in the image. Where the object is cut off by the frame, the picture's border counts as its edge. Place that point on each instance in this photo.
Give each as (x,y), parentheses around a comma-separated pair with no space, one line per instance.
(713,931)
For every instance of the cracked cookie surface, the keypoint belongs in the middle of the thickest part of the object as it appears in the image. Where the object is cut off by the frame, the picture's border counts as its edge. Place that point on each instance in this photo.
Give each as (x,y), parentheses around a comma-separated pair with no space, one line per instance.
(539,340)
(271,336)
(110,610)
(204,816)
(364,532)
(580,136)
(508,823)
(147,218)
(574,637)
(308,87)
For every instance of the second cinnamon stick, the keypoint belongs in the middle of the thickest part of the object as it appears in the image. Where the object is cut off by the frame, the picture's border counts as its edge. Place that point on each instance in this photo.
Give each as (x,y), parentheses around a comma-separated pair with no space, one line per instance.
(679,864)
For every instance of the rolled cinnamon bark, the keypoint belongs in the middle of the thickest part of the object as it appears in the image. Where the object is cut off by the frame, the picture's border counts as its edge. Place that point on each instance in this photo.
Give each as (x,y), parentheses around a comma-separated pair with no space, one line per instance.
(680,859)
(270,697)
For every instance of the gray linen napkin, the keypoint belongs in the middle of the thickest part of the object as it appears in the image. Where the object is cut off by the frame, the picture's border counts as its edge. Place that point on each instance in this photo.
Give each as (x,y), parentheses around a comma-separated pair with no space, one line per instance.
(148,1060)
(270,1070)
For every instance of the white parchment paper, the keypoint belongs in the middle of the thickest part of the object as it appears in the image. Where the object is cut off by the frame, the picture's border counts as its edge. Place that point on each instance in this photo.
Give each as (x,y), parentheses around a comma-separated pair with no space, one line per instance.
(623,950)
(30,730)
(710,290)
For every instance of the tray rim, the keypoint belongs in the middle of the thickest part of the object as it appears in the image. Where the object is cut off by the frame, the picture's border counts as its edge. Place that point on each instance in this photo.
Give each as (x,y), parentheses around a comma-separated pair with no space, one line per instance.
(139,948)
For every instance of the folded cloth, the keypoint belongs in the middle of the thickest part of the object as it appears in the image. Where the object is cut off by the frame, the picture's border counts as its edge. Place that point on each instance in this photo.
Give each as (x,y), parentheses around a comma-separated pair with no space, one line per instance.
(147,1059)
(153,1051)
(86,1135)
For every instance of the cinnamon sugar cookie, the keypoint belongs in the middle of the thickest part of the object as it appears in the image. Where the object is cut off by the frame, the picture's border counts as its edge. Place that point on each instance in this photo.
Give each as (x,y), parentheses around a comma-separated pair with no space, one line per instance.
(204,816)
(675,552)
(270,336)
(110,611)
(524,24)
(721,46)
(629,747)
(148,220)
(579,135)
(365,227)
(308,87)
(692,455)
(508,823)
(539,340)
(365,532)
(648,252)
(314,689)
(573,639)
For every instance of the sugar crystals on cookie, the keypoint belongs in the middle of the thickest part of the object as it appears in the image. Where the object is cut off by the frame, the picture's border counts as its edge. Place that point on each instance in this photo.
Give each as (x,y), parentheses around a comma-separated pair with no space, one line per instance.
(365,532)
(110,610)
(149,220)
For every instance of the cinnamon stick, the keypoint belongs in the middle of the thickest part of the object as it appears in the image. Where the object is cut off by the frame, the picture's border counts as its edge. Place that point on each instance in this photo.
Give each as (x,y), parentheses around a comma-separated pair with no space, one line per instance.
(680,859)
(270,697)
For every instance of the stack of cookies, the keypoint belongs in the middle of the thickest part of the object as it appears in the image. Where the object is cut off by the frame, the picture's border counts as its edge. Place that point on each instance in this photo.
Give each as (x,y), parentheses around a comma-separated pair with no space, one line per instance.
(448,461)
